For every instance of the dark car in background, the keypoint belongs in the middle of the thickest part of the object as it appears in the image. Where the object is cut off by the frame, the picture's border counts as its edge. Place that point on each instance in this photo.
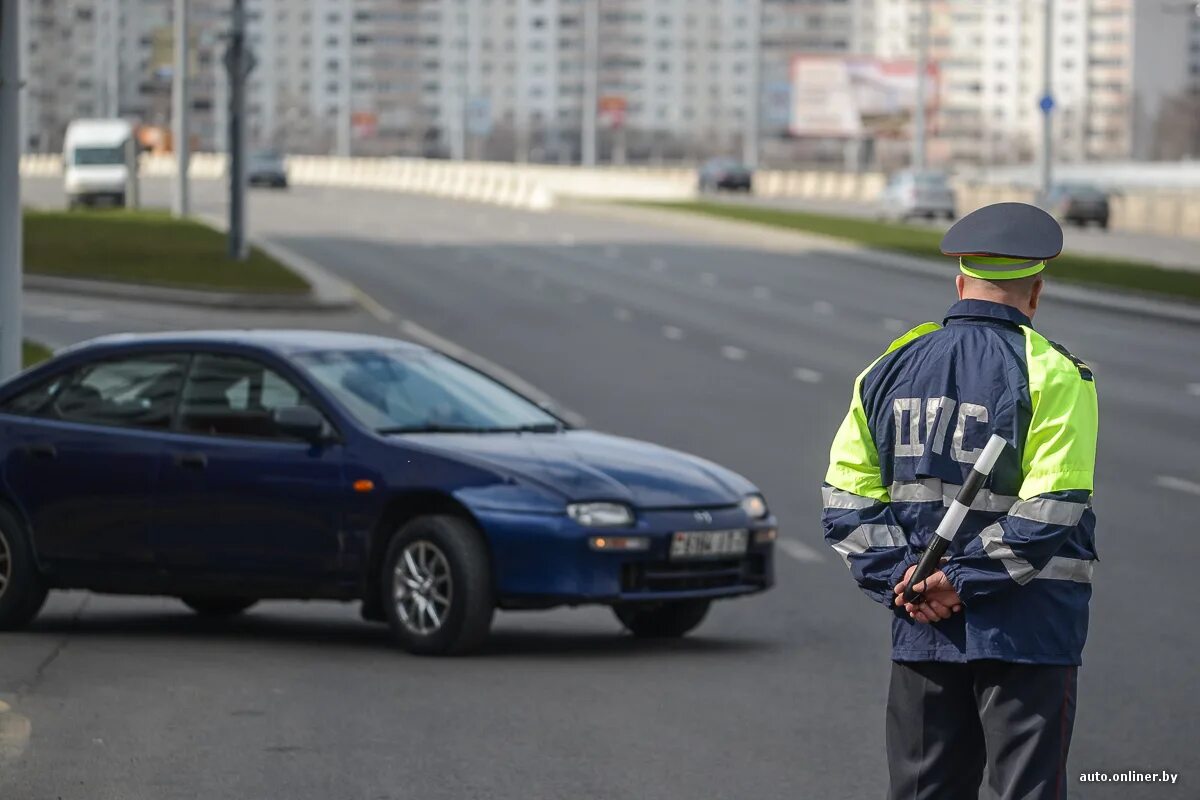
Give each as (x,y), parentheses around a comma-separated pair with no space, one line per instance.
(725,174)
(227,467)
(266,168)
(1076,203)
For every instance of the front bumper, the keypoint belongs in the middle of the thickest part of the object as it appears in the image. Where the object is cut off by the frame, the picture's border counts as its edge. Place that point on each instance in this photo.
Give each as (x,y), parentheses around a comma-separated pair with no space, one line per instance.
(542,560)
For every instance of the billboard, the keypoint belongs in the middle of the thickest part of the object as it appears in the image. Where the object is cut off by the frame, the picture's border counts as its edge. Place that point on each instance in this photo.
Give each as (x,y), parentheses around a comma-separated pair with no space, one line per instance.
(855,97)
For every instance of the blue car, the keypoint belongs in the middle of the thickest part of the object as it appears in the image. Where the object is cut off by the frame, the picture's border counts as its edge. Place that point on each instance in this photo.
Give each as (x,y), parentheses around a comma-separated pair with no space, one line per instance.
(227,467)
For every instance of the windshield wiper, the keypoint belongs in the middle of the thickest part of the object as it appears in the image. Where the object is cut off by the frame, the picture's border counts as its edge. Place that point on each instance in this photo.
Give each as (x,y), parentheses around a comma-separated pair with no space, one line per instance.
(435,429)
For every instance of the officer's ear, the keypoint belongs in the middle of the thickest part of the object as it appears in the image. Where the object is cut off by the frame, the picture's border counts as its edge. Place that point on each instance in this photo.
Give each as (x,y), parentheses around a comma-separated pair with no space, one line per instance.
(1035,293)
(960,283)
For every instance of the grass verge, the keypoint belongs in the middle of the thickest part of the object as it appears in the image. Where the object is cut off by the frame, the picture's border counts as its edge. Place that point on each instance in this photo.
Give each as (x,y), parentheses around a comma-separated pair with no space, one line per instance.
(146,247)
(1136,276)
(33,353)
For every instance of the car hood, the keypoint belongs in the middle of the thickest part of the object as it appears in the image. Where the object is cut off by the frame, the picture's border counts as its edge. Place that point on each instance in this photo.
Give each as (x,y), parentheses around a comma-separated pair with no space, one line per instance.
(586,465)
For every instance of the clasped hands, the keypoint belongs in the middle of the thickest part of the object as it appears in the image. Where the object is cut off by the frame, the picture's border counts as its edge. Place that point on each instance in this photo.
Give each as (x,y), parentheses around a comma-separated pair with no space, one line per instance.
(939,599)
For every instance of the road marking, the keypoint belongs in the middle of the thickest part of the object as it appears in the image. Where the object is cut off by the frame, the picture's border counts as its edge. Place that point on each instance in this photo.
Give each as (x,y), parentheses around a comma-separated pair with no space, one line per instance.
(733,353)
(1178,484)
(612,251)
(14,733)
(1192,388)
(761,292)
(895,325)
(373,306)
(622,314)
(798,551)
(539,282)
(672,333)
(807,375)
(658,265)
(823,307)
(566,239)
(708,279)
(577,297)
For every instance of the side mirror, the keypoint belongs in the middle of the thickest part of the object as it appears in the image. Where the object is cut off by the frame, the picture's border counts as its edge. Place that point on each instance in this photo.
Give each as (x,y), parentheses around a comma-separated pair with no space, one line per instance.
(303,422)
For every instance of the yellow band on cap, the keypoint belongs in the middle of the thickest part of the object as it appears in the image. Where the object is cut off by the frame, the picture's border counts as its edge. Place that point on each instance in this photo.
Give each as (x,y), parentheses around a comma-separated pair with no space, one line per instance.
(1000,275)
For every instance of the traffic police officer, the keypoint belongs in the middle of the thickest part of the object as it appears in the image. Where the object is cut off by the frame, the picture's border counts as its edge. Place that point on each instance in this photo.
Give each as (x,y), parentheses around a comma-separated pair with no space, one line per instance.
(984,666)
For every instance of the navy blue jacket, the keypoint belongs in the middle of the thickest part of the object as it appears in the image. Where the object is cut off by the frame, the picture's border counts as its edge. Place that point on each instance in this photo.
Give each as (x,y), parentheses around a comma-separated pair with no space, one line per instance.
(1023,560)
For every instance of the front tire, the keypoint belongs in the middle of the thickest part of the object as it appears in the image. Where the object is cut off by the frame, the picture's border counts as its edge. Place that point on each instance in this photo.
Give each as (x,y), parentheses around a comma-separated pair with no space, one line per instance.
(22,588)
(218,607)
(437,587)
(667,620)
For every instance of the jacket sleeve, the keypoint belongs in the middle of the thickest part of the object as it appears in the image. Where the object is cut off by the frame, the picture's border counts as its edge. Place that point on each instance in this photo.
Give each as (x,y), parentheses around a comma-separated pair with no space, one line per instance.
(1058,465)
(858,518)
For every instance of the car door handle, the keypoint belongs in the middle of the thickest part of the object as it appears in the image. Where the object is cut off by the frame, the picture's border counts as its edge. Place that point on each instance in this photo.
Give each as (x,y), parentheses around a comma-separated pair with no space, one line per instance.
(43,450)
(191,460)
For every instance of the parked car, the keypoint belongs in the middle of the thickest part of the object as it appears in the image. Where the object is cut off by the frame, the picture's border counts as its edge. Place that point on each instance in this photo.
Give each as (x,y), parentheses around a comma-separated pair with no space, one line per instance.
(266,168)
(1079,203)
(95,161)
(917,194)
(719,174)
(226,467)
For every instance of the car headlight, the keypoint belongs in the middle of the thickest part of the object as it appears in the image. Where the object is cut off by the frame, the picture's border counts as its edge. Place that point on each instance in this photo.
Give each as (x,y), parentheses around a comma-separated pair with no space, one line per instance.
(601,515)
(755,506)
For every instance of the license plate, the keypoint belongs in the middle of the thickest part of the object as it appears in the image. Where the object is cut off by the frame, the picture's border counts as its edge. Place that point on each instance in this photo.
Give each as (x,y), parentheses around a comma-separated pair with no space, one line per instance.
(709,544)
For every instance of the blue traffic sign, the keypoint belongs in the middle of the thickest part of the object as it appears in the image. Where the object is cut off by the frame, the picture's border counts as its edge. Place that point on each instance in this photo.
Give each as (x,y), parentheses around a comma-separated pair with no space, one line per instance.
(1046,104)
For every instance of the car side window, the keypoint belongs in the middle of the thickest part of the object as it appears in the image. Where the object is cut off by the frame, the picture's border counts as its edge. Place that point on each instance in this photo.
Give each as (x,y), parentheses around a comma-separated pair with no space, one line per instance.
(139,392)
(33,402)
(234,396)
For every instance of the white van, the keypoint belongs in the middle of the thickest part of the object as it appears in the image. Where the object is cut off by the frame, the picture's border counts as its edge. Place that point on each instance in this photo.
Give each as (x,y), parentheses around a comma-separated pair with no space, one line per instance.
(94,161)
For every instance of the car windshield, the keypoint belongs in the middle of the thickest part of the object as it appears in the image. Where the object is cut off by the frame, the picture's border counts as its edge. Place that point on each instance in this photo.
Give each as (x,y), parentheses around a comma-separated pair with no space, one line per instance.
(1082,191)
(401,391)
(929,180)
(99,156)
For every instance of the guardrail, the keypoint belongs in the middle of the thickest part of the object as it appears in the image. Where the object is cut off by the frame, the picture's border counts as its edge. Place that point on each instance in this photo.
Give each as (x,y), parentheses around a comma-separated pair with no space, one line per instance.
(536,186)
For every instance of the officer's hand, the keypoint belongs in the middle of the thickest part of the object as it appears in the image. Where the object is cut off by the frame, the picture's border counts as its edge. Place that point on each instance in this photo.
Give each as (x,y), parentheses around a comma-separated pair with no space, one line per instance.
(939,600)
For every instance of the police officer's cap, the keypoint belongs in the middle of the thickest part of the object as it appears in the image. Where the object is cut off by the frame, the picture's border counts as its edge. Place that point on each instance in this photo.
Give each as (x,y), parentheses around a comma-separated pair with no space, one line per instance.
(1004,241)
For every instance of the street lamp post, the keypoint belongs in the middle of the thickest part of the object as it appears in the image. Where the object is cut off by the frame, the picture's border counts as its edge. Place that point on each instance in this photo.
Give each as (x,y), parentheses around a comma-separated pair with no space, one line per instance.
(180,99)
(238,62)
(1047,100)
(591,80)
(10,189)
(919,122)
(751,133)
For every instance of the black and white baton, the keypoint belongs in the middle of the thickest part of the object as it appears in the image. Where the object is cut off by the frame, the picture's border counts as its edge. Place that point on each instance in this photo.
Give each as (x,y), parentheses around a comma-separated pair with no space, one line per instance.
(952,521)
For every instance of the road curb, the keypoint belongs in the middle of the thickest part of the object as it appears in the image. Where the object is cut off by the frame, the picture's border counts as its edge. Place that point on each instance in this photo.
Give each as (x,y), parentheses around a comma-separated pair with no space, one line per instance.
(768,237)
(144,293)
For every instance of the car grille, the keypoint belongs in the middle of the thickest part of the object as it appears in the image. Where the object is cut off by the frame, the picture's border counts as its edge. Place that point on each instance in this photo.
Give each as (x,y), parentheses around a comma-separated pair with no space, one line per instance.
(682,576)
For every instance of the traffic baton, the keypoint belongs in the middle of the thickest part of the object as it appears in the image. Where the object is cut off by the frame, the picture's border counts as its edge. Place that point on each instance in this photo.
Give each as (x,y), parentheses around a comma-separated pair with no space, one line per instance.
(947,529)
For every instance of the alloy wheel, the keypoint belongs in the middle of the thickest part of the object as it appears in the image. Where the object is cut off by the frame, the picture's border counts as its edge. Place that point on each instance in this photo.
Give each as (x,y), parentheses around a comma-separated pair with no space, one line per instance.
(422,587)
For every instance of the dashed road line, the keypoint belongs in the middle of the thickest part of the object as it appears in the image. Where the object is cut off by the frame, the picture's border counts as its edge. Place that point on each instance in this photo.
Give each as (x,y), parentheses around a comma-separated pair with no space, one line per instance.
(1192,388)
(1178,484)
(895,325)
(672,333)
(807,375)
(658,265)
(708,279)
(799,551)
(761,293)
(823,307)
(612,251)
(622,314)
(733,353)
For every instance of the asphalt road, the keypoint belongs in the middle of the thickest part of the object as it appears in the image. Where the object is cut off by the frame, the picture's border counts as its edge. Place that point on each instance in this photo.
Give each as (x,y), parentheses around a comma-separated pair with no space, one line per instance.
(713,345)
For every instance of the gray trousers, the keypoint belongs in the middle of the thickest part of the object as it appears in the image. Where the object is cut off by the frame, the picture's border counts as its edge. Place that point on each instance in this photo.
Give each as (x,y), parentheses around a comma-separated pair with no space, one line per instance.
(947,722)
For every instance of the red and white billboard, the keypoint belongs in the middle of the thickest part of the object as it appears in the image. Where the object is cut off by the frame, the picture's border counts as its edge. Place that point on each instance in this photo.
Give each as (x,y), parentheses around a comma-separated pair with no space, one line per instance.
(854,97)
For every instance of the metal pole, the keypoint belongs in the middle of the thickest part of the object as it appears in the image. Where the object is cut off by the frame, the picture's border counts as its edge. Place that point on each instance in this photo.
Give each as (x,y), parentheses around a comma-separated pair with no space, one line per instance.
(180,99)
(918,153)
(10,189)
(591,81)
(1047,97)
(750,135)
(235,62)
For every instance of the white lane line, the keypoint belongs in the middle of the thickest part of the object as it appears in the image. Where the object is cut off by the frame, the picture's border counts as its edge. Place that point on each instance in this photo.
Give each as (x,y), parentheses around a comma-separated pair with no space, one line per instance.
(672,333)
(708,279)
(578,298)
(733,353)
(1178,484)
(1192,388)
(612,251)
(622,314)
(373,307)
(658,265)
(800,552)
(807,375)
(895,325)
(823,307)
(761,293)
